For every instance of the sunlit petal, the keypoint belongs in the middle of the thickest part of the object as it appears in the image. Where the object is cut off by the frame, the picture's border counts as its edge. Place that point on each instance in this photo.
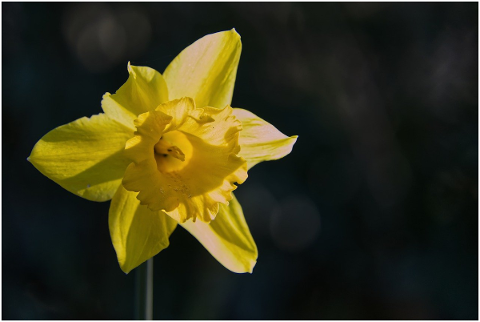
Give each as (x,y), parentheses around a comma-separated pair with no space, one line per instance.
(206,70)
(260,140)
(227,238)
(144,90)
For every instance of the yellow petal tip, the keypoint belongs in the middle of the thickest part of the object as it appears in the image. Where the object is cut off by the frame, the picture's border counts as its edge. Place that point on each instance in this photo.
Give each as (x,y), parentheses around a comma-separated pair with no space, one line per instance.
(252,266)
(294,138)
(235,31)
(131,71)
(127,268)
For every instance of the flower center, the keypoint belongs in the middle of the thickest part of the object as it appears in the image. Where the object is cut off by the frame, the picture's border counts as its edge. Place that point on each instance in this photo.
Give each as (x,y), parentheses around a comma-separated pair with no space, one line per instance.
(185,159)
(172,151)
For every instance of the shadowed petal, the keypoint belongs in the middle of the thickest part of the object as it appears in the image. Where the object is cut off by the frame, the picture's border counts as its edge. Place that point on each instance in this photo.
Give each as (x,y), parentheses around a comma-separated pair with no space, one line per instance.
(84,156)
(137,233)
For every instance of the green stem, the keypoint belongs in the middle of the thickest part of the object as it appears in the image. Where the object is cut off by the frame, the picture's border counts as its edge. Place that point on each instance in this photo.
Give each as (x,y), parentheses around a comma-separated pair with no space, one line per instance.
(144,291)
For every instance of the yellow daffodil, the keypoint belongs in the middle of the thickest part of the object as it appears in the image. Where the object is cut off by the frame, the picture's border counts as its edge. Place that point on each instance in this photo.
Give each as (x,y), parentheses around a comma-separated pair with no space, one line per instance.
(168,150)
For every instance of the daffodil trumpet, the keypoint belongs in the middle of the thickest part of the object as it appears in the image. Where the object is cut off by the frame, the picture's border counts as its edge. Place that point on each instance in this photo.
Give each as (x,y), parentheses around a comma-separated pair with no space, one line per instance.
(169,150)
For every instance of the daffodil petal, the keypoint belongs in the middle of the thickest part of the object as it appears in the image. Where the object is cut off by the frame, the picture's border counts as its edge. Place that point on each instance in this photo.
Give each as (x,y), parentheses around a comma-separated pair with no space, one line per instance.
(144,90)
(150,127)
(260,140)
(213,125)
(227,238)
(84,156)
(179,110)
(206,70)
(137,233)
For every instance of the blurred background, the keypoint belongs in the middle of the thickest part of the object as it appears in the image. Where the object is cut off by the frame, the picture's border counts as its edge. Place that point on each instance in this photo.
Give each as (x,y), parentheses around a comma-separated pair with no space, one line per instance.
(374,215)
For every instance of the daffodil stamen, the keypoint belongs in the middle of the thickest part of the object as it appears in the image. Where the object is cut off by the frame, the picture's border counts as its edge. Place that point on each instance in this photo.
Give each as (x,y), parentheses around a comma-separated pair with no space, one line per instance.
(172,152)
(166,149)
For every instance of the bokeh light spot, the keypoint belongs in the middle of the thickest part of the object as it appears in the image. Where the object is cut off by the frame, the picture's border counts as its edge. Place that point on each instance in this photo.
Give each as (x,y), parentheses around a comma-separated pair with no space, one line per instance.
(295,223)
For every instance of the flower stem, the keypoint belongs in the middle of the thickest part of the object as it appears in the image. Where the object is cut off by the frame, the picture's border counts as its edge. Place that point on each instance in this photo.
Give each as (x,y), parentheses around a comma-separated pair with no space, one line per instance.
(144,291)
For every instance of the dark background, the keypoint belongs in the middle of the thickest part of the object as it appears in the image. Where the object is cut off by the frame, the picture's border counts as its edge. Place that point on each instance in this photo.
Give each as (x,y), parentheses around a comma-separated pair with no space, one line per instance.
(372,216)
